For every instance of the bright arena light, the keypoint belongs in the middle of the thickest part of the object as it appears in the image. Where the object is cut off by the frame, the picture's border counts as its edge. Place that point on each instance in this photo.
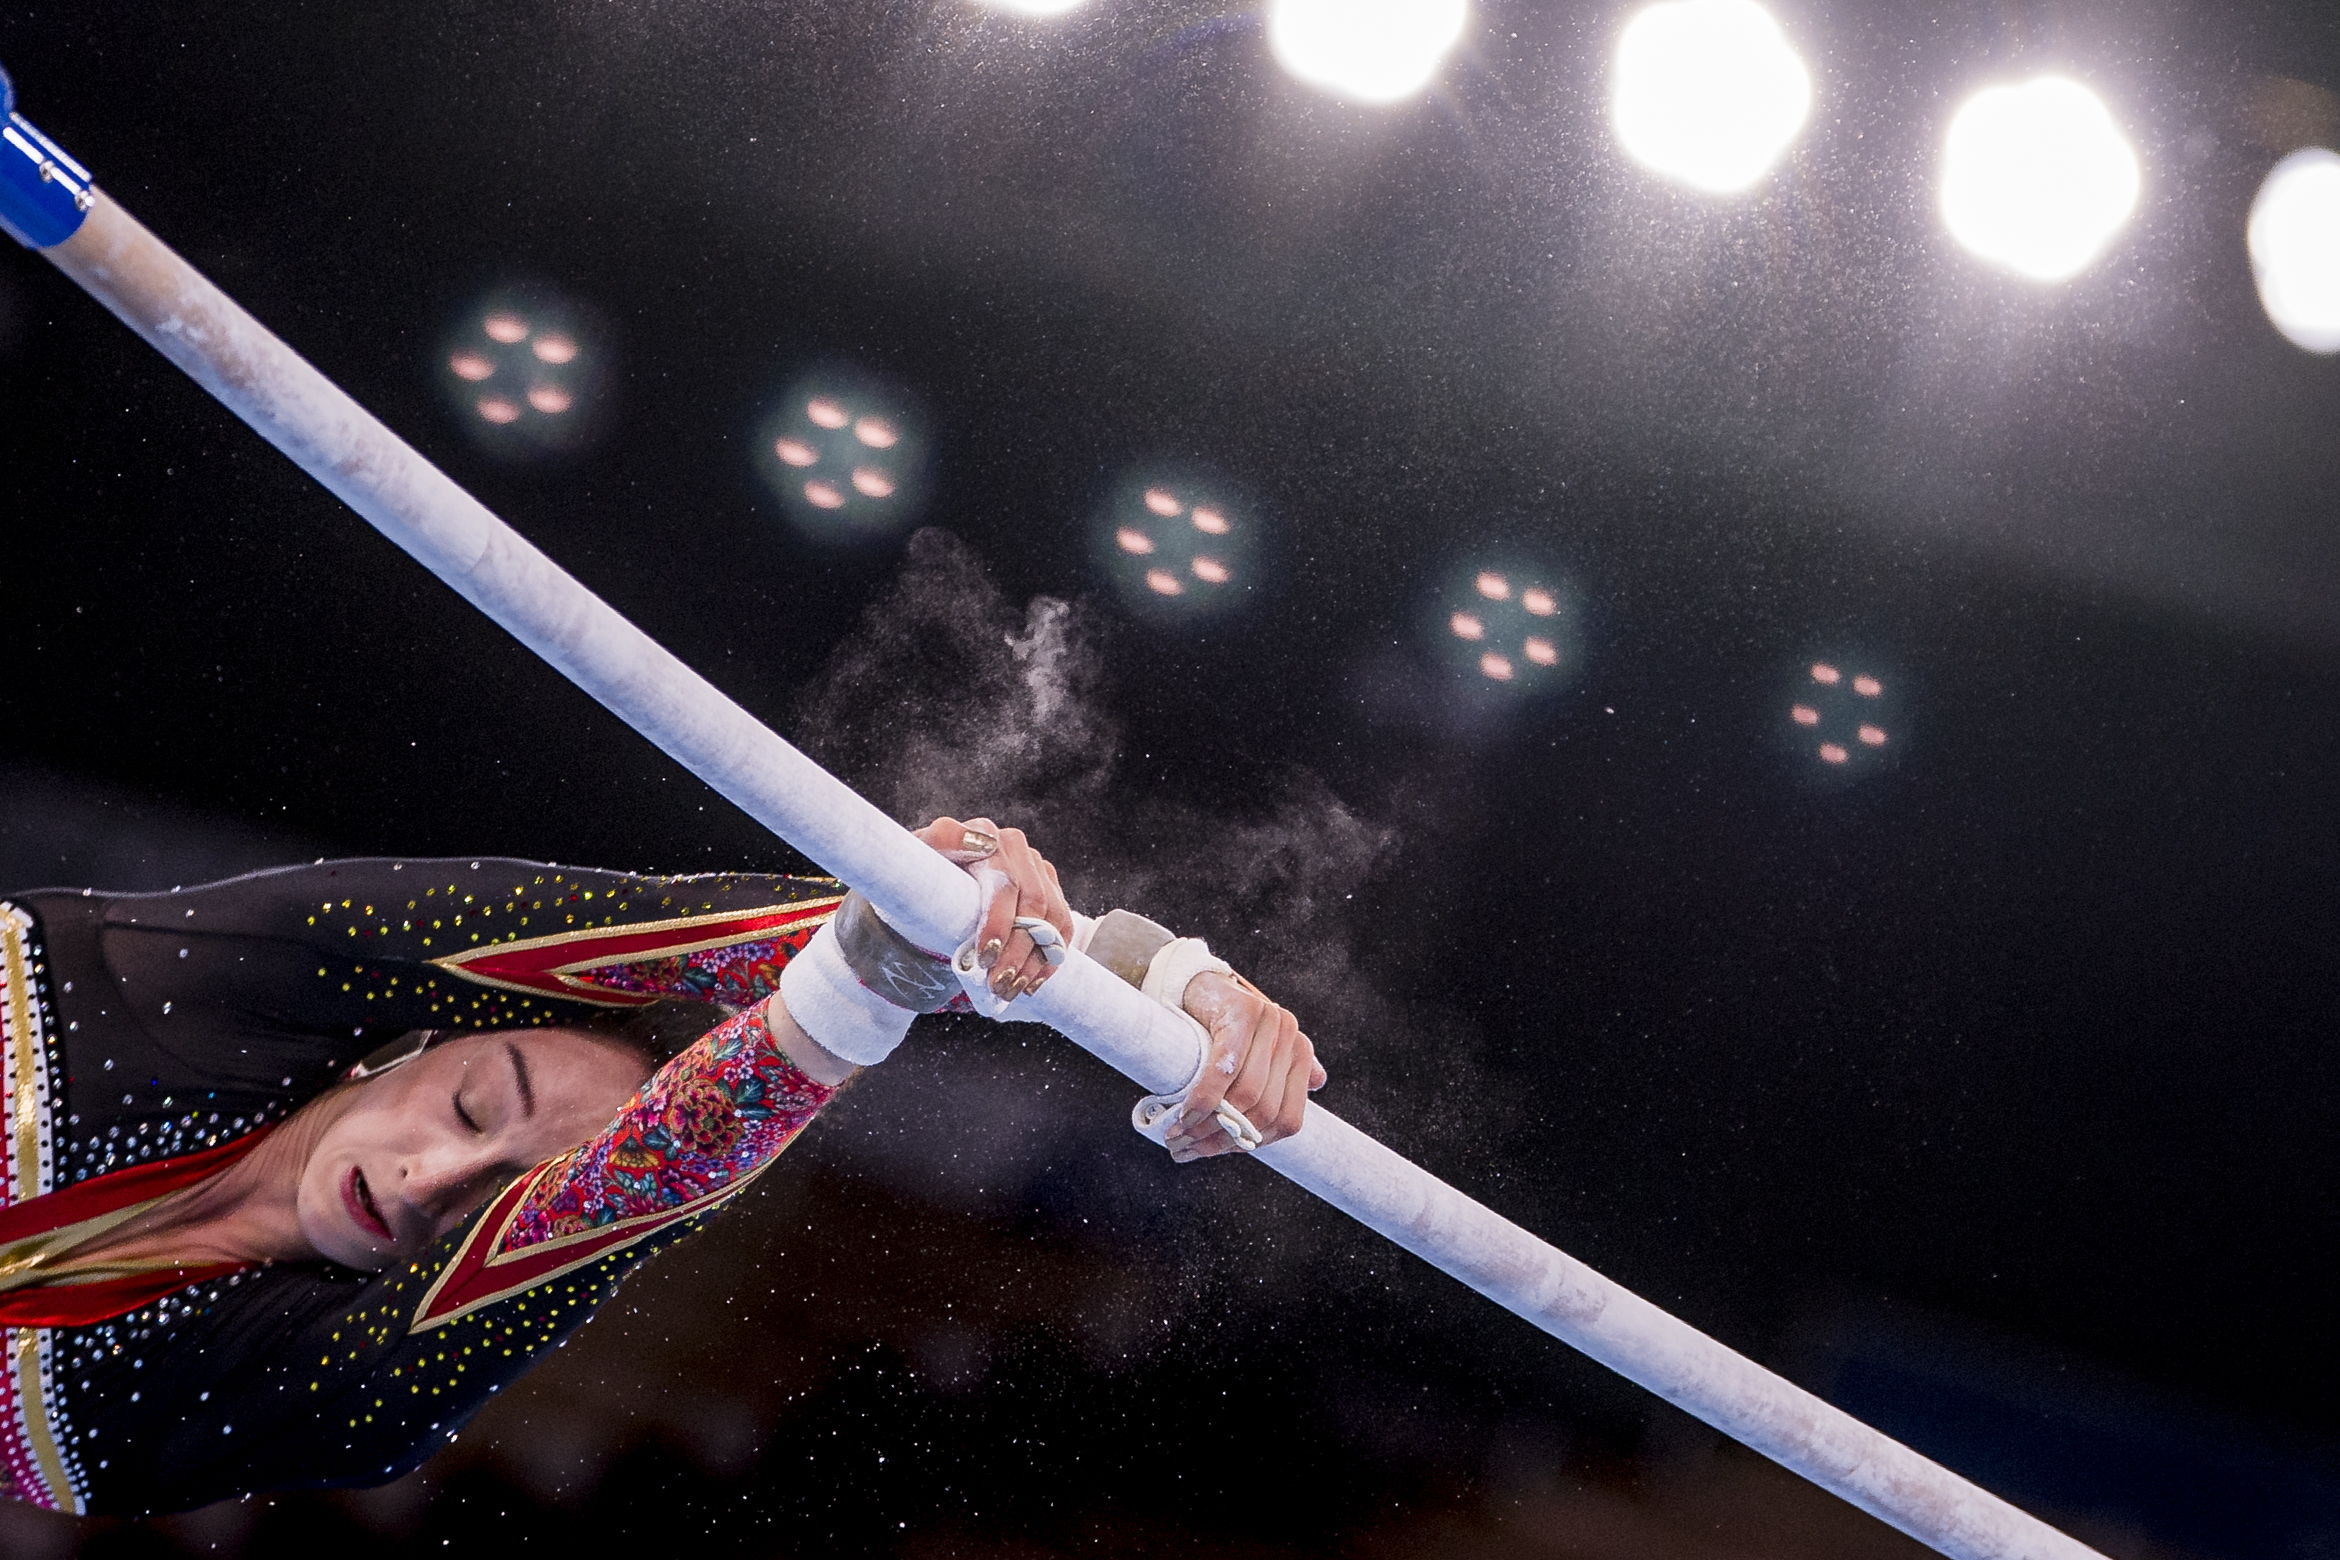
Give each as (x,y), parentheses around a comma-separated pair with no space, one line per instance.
(1505,628)
(2037,178)
(841,457)
(1708,93)
(1372,51)
(519,372)
(1842,719)
(1176,546)
(2295,248)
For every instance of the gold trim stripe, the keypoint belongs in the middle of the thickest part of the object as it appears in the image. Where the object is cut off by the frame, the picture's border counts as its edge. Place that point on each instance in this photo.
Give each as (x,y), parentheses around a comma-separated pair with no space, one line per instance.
(32,1402)
(27,1348)
(28,1083)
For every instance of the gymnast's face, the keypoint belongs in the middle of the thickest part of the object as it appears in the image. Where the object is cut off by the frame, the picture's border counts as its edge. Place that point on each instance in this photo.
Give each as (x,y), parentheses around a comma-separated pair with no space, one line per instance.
(408,1153)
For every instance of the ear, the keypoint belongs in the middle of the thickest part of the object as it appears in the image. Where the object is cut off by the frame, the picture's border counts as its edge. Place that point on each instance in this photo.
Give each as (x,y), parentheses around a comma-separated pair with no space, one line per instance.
(405,1048)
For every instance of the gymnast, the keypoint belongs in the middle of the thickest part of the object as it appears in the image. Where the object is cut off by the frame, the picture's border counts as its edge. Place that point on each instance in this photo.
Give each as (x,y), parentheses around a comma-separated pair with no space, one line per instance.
(302,1167)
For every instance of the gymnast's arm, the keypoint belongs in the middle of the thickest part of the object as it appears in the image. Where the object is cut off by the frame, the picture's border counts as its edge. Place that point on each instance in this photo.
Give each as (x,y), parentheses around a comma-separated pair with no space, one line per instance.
(712,1118)
(705,1124)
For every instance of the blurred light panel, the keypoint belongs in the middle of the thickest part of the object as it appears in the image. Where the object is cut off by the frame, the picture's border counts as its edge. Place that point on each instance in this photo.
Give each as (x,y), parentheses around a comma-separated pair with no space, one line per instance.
(1708,93)
(1369,51)
(2295,248)
(2037,178)
(1842,720)
(840,455)
(1178,547)
(520,372)
(1503,627)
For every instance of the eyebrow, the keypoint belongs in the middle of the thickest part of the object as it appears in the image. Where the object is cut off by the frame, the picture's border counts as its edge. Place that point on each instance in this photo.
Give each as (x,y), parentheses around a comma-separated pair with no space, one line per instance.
(520,1072)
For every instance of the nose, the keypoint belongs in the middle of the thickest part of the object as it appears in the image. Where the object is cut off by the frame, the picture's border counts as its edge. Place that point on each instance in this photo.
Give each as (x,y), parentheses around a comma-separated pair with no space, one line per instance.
(442,1185)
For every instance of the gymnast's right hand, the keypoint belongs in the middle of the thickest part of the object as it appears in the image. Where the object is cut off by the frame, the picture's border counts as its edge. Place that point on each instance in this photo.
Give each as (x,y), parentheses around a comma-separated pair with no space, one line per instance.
(1029,890)
(1260,1063)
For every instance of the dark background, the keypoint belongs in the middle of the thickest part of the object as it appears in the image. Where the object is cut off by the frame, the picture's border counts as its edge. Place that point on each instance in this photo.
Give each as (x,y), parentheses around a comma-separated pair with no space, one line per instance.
(1991,1094)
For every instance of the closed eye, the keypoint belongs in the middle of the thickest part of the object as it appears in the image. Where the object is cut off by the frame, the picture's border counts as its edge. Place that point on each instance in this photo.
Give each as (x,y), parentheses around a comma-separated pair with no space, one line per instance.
(463,1115)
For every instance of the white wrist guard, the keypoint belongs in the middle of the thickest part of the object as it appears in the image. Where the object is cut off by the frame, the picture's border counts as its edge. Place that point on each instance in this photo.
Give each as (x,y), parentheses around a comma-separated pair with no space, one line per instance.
(844,1017)
(1177,962)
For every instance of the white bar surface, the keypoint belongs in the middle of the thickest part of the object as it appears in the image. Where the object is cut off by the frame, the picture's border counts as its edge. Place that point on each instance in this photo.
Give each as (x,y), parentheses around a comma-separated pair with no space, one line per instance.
(449,532)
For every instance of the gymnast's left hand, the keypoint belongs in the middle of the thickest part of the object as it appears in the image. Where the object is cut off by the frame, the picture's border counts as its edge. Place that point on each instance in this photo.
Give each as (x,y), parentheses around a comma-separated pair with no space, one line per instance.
(1014,960)
(1260,1063)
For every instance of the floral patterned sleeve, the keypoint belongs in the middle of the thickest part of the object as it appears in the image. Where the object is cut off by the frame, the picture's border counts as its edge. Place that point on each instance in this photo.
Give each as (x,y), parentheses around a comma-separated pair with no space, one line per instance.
(704,1123)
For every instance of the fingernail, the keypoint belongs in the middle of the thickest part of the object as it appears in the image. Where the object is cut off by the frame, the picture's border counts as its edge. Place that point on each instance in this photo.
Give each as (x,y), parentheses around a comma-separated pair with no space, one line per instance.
(988,954)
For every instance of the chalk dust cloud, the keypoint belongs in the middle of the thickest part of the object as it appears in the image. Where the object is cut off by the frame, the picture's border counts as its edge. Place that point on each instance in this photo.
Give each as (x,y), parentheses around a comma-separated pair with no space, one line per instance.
(948,697)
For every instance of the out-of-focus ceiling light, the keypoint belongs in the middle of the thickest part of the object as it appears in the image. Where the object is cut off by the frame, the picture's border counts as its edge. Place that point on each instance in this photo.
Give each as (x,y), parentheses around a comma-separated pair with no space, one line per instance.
(1372,51)
(519,371)
(2037,178)
(1708,93)
(1503,628)
(1176,547)
(2295,248)
(841,458)
(1842,719)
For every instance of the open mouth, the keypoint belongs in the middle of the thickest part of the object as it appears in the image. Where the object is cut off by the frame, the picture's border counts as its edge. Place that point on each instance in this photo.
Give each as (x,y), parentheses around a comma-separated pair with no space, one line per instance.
(358,1200)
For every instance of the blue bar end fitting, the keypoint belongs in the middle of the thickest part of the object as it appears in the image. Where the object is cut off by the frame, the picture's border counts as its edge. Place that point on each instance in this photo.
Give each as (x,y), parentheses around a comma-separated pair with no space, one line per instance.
(44,194)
